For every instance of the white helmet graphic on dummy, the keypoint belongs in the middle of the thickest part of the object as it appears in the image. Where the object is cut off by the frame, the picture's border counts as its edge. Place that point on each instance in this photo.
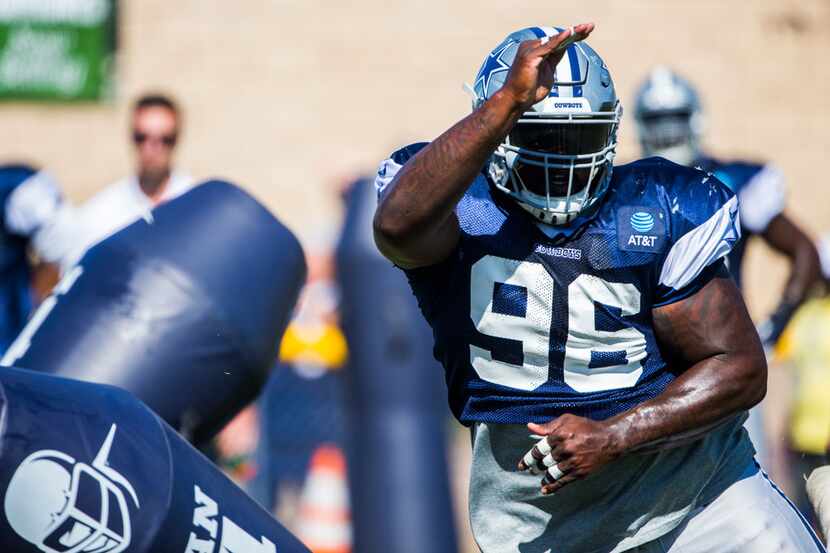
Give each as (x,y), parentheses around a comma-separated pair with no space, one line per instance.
(61,505)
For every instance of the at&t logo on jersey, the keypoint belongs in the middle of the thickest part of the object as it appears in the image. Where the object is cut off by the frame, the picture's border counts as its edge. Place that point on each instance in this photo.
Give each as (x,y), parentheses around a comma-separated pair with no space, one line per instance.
(642,221)
(641,229)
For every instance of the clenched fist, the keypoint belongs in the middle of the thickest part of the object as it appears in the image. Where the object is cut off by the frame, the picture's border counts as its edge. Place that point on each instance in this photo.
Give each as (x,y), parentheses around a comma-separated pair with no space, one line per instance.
(572,448)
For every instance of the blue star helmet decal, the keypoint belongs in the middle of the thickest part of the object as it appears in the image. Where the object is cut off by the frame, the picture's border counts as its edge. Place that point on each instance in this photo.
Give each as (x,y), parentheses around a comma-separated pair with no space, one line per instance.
(496,63)
(570,73)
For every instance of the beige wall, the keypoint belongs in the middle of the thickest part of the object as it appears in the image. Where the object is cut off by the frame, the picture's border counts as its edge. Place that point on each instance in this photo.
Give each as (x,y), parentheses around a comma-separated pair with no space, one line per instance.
(285,95)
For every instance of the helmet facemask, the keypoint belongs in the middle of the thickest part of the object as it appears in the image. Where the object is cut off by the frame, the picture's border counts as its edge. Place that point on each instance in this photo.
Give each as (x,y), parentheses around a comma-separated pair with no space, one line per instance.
(557,166)
(80,528)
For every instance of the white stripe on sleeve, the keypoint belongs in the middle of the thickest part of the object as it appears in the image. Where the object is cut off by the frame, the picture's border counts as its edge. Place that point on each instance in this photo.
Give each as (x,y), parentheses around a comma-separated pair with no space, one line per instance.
(700,247)
(762,199)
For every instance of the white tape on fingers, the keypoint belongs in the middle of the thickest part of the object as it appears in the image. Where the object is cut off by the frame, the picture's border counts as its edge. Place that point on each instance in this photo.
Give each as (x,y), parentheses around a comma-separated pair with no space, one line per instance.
(529,460)
(555,473)
(568,41)
(549,461)
(543,446)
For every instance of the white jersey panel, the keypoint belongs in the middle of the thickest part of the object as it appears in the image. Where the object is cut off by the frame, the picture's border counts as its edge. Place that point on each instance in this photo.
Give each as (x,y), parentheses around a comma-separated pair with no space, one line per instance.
(762,199)
(702,246)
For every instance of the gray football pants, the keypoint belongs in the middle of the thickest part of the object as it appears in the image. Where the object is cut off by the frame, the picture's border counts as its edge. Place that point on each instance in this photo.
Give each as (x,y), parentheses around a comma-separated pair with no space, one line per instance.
(751,516)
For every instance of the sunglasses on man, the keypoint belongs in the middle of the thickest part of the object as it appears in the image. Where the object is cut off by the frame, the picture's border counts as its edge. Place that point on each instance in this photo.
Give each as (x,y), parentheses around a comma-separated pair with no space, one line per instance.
(168,140)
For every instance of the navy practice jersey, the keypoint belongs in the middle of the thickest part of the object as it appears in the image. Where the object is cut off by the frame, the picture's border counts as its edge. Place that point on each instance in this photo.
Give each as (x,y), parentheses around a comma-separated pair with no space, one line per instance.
(529,327)
(760,191)
(15,296)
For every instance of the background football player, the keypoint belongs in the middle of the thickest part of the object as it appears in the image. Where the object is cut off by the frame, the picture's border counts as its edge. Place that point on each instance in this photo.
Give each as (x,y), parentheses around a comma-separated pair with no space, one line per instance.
(670,124)
(590,305)
(30,245)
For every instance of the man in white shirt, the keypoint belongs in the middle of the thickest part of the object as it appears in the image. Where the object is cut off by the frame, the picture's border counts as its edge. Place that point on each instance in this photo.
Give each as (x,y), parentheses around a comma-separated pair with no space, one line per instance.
(156,124)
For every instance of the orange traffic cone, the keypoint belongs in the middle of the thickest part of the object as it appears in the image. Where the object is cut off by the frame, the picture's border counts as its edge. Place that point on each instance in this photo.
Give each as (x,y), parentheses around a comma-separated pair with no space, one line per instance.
(324,522)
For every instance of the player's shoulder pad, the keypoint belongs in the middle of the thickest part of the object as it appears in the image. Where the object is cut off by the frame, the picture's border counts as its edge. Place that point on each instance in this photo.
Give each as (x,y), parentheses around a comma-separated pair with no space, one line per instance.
(690,195)
(390,166)
(703,218)
(735,174)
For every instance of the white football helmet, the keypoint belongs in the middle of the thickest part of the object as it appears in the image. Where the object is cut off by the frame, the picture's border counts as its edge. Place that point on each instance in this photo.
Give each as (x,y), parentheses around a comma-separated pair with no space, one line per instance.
(64,506)
(557,161)
(669,117)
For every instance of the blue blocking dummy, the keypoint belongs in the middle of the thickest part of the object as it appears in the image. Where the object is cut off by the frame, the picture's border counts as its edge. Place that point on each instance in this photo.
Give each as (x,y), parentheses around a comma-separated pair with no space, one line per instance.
(398,460)
(185,310)
(88,468)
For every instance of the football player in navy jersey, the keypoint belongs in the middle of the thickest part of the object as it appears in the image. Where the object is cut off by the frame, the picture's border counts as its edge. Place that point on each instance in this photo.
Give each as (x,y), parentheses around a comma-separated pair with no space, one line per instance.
(669,120)
(589,331)
(31,203)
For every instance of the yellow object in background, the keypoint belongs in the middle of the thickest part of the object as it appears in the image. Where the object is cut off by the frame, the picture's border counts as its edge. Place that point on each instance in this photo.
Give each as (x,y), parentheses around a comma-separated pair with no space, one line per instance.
(806,346)
(320,344)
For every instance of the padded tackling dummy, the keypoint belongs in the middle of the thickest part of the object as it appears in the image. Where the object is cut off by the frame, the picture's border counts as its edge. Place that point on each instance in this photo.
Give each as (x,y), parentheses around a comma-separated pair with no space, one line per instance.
(184,310)
(398,459)
(88,468)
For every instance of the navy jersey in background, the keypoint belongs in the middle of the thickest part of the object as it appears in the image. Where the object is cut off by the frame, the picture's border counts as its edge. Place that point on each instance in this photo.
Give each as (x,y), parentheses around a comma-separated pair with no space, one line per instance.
(761,197)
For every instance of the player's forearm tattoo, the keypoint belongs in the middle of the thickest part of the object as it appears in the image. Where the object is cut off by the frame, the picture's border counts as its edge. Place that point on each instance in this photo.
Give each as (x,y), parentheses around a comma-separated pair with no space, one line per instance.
(437,177)
(423,195)
(720,365)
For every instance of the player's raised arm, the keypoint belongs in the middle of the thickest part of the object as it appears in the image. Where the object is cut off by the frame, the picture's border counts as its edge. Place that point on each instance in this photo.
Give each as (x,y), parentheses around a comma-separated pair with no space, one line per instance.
(415,224)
